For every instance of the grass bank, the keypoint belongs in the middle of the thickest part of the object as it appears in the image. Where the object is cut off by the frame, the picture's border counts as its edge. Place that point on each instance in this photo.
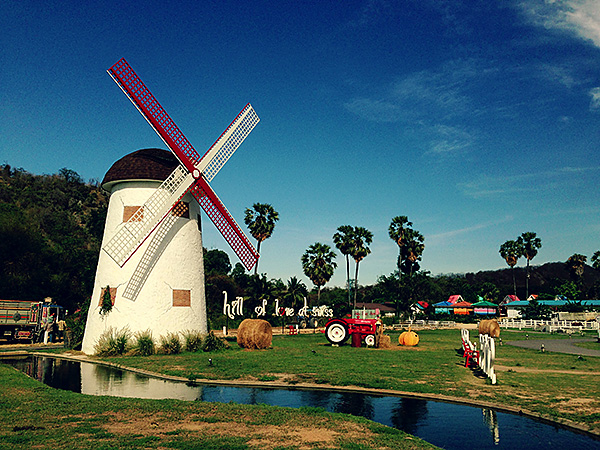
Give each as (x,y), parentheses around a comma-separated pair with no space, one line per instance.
(556,386)
(33,415)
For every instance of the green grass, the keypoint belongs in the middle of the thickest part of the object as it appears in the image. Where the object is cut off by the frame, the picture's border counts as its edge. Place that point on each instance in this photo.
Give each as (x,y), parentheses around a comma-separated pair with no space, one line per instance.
(33,415)
(544,383)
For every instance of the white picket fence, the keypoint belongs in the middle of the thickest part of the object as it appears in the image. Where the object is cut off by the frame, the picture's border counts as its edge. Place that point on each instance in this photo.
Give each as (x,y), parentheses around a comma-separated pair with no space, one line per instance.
(550,325)
(486,352)
(487,356)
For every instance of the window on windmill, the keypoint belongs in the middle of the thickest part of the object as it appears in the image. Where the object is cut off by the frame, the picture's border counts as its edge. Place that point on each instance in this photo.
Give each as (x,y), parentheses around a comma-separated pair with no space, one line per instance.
(133,213)
(182,297)
(182,209)
(113,295)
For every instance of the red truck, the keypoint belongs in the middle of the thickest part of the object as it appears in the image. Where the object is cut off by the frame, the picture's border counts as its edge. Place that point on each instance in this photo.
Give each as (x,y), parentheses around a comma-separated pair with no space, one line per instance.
(22,320)
(363,326)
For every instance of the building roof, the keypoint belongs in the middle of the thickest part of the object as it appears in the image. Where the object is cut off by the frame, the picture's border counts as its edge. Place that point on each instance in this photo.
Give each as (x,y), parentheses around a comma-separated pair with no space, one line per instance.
(522,303)
(381,306)
(463,304)
(146,164)
(484,304)
(455,299)
(445,304)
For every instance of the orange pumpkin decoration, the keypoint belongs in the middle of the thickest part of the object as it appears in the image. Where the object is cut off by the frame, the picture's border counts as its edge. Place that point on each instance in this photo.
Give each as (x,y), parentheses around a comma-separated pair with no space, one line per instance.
(409,338)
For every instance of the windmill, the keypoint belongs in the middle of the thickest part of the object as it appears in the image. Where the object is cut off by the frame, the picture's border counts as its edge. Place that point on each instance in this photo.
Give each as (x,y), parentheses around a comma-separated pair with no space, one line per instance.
(190,178)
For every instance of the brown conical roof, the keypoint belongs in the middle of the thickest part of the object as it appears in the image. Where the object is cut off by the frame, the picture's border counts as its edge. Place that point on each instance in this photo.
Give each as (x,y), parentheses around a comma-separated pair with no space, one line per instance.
(146,164)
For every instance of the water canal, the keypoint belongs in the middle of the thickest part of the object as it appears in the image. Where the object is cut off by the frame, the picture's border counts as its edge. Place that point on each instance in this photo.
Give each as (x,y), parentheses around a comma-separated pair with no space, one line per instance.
(446,425)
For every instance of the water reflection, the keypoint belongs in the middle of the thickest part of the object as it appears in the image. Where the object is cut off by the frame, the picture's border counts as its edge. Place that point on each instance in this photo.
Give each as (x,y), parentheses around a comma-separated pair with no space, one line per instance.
(408,413)
(491,420)
(443,424)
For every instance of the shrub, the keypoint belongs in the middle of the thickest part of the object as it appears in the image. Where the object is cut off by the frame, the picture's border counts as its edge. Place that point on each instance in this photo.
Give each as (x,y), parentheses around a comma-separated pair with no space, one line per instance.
(113,342)
(213,343)
(143,344)
(192,340)
(170,344)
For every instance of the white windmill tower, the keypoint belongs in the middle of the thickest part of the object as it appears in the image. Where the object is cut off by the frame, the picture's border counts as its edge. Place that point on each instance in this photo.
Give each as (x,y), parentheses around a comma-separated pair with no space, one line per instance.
(157,284)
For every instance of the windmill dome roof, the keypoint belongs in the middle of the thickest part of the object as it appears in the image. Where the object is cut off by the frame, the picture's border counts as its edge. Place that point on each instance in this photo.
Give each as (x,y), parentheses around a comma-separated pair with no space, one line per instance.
(146,164)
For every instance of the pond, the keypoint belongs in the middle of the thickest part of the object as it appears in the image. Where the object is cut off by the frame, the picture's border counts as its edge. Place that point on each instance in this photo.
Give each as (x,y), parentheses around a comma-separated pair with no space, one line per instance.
(446,425)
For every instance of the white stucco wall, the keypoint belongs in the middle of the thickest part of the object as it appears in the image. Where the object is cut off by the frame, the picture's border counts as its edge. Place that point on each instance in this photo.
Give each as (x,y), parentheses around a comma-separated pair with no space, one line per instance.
(180,266)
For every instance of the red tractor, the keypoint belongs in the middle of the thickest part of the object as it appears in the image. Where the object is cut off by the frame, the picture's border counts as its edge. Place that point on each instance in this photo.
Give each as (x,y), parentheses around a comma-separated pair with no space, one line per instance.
(337,331)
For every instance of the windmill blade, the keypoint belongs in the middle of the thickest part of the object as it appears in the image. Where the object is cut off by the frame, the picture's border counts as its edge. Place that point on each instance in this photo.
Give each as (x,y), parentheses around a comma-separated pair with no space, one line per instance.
(225,223)
(155,249)
(137,229)
(228,142)
(156,116)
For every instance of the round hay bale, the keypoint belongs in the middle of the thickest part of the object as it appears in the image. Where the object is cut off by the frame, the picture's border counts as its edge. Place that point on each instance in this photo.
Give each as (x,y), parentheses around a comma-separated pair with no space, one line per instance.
(385,341)
(489,327)
(255,334)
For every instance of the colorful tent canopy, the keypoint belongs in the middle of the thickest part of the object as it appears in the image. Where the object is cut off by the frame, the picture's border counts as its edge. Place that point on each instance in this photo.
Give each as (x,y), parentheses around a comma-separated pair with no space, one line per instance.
(463,308)
(485,308)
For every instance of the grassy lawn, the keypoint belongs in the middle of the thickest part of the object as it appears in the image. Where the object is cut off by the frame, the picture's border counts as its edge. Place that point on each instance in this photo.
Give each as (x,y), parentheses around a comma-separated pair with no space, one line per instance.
(33,415)
(557,386)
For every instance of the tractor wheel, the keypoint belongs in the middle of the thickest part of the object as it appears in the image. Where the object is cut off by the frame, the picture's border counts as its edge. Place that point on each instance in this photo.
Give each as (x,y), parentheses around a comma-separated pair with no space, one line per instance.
(370,340)
(336,332)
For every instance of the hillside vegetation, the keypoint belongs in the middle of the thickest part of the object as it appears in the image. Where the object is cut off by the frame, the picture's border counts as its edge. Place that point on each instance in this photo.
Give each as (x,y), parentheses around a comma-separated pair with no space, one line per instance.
(51,230)
(50,234)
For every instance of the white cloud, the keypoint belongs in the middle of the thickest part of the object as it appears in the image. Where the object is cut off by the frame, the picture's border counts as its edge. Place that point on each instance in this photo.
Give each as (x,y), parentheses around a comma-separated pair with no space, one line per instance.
(426,95)
(487,186)
(450,140)
(595,101)
(580,17)
(445,236)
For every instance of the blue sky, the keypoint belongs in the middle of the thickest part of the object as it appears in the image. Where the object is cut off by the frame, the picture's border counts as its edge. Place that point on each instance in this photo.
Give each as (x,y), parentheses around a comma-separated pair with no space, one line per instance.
(477,120)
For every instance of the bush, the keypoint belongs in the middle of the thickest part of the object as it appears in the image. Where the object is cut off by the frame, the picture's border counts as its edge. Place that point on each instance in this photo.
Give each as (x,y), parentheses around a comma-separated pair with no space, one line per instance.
(143,344)
(192,340)
(170,344)
(213,343)
(113,342)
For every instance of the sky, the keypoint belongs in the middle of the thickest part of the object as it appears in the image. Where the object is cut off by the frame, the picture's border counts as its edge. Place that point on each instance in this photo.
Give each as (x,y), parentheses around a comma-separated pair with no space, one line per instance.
(477,120)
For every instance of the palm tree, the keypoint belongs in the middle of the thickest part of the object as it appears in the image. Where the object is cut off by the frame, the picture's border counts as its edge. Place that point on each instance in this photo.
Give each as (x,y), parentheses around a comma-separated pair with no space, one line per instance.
(397,231)
(361,238)
(342,240)
(260,220)
(318,265)
(296,290)
(530,244)
(576,264)
(596,260)
(511,251)
(411,251)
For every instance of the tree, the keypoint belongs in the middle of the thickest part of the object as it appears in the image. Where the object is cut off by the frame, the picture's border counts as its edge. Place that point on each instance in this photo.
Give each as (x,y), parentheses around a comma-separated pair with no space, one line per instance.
(411,252)
(569,290)
(411,246)
(360,238)
(530,244)
(535,311)
(318,265)
(343,241)
(296,291)
(576,265)
(259,289)
(596,260)
(511,251)
(216,262)
(260,220)
(397,231)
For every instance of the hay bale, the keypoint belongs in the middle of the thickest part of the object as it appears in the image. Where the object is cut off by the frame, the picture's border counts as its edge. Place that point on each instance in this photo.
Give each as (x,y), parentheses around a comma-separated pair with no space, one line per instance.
(254,334)
(385,341)
(489,327)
